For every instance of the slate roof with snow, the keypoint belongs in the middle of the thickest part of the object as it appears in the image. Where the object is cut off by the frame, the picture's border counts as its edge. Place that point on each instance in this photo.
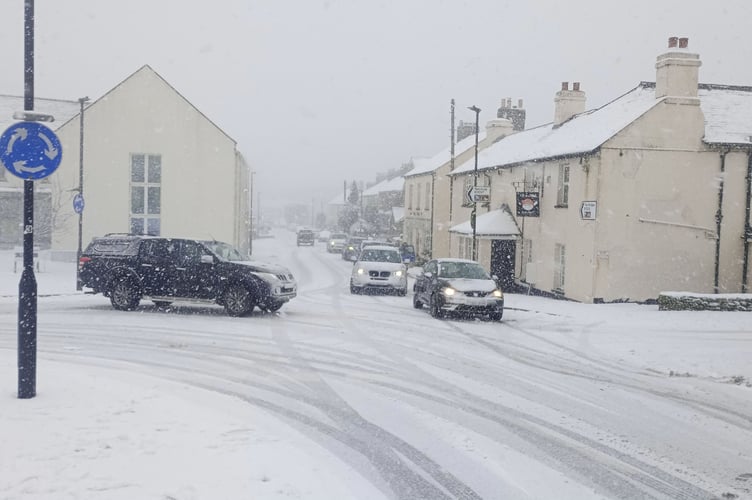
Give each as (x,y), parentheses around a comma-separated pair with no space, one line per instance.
(728,120)
(396,184)
(497,223)
(428,165)
(61,110)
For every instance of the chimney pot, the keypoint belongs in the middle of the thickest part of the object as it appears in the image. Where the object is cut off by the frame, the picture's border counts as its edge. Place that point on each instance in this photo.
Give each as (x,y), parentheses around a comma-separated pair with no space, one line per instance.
(564,85)
(576,86)
(673,41)
(509,102)
(683,43)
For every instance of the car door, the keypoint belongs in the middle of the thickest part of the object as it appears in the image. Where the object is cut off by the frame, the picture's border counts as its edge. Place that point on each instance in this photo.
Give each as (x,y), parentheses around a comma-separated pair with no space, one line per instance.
(154,267)
(423,282)
(193,274)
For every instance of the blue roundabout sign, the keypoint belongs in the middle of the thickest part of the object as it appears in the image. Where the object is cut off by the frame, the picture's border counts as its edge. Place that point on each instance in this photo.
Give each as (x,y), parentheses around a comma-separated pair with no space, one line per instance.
(30,150)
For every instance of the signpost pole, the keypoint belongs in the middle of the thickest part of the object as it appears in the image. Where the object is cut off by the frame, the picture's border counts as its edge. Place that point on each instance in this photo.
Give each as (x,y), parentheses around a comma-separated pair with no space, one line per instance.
(27,287)
(474,213)
(79,199)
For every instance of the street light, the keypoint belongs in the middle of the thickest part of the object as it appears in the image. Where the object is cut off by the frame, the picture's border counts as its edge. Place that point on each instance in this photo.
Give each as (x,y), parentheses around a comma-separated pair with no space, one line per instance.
(80,208)
(473,215)
(250,217)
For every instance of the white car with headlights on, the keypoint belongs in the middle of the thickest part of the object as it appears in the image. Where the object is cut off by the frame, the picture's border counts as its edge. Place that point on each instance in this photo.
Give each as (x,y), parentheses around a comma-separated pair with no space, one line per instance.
(458,286)
(379,268)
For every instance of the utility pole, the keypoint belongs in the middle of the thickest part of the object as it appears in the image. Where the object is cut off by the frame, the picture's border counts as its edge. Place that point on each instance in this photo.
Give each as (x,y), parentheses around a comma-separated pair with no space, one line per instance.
(474,213)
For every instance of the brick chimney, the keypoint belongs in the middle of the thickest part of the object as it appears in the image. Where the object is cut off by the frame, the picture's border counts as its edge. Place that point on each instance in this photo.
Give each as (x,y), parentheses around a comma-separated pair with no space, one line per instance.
(677,70)
(515,114)
(465,129)
(568,103)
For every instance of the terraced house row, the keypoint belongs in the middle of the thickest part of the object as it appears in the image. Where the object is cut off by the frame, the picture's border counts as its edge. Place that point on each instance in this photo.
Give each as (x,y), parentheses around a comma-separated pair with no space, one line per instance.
(648,193)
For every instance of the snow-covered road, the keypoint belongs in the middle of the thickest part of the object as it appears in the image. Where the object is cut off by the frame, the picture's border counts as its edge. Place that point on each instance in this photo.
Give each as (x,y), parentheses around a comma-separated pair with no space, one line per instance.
(560,400)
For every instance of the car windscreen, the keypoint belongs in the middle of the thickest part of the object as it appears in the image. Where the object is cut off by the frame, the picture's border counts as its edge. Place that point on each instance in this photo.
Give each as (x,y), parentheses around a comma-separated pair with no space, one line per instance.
(224,251)
(468,270)
(377,255)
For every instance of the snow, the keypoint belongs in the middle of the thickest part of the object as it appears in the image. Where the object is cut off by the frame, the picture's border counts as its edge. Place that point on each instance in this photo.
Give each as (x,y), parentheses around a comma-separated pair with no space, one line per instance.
(344,396)
(494,223)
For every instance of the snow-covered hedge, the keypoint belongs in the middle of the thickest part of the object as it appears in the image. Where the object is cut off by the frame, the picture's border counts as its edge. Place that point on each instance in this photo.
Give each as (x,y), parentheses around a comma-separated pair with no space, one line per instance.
(686,301)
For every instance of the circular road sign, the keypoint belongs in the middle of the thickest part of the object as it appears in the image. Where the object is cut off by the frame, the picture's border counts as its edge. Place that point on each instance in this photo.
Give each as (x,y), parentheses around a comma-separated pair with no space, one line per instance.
(78,203)
(30,150)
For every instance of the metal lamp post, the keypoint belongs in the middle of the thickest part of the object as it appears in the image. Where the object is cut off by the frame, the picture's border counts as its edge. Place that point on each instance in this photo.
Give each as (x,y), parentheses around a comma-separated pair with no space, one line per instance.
(79,209)
(473,215)
(250,217)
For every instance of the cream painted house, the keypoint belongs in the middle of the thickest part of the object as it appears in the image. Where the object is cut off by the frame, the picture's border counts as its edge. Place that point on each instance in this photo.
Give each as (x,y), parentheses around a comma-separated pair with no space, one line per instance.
(648,193)
(428,204)
(153,164)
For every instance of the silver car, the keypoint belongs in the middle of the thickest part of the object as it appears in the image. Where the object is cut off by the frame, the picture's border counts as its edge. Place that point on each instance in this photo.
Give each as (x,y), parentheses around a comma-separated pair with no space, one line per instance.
(458,286)
(379,268)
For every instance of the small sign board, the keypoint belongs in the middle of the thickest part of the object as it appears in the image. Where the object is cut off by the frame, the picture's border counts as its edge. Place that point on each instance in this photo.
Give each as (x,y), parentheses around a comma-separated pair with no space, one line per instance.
(588,210)
(479,194)
(528,204)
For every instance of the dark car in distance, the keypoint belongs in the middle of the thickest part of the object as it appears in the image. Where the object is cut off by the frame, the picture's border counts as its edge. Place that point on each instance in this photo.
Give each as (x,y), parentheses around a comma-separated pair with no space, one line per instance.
(306,237)
(351,250)
(458,286)
(129,268)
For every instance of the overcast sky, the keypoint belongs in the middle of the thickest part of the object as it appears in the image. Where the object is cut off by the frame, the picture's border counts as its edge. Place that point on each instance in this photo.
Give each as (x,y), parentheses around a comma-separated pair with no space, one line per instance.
(316,92)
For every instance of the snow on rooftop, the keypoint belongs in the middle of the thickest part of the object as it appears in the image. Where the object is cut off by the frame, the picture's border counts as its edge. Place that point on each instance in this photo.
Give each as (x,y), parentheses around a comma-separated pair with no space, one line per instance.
(583,133)
(728,120)
(427,165)
(728,113)
(494,223)
(385,186)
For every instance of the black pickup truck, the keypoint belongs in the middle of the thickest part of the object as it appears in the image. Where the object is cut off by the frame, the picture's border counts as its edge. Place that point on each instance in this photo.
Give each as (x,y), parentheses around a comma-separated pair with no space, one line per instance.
(128,268)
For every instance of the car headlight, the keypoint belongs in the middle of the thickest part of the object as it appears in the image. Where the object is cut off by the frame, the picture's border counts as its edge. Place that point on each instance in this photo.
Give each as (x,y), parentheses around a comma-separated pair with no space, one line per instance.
(398,273)
(497,293)
(268,277)
(361,270)
(449,291)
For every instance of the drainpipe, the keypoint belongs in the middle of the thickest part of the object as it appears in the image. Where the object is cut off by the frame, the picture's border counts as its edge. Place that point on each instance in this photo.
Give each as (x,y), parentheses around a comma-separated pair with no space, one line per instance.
(747,235)
(718,219)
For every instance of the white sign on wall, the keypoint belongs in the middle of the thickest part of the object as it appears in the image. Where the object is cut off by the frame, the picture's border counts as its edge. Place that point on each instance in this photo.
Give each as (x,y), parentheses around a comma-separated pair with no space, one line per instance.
(588,209)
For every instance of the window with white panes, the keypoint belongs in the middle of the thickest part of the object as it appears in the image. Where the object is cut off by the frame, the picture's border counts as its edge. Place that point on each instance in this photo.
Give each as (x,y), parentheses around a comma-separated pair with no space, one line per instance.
(428,196)
(559,267)
(562,194)
(146,194)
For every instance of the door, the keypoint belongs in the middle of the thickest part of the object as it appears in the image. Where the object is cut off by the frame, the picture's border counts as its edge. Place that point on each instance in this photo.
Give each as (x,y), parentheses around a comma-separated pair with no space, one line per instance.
(191,277)
(154,267)
(503,254)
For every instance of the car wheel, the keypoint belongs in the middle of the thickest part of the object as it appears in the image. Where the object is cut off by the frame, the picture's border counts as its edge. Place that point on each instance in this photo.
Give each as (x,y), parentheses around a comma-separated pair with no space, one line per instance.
(435,307)
(237,300)
(273,307)
(402,292)
(354,289)
(417,304)
(496,316)
(125,295)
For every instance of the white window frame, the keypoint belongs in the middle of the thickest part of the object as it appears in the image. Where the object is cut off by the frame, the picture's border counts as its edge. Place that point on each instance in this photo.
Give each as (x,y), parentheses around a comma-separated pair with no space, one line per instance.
(151,183)
(562,191)
(560,257)
(428,195)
